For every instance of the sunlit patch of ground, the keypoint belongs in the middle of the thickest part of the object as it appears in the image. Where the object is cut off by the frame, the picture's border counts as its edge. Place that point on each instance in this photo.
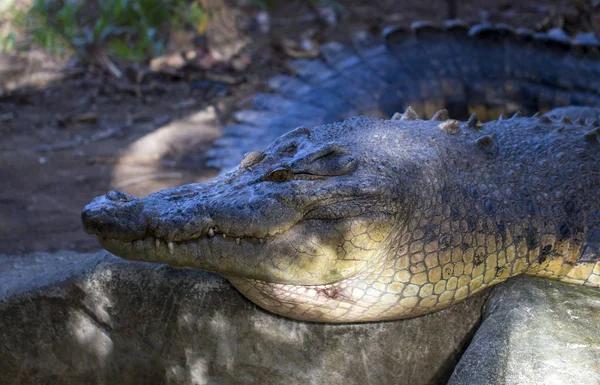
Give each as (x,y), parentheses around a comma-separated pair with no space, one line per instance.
(144,166)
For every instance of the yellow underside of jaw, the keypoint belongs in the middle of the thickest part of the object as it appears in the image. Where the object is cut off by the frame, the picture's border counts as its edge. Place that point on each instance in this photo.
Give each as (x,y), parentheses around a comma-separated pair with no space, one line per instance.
(423,277)
(353,301)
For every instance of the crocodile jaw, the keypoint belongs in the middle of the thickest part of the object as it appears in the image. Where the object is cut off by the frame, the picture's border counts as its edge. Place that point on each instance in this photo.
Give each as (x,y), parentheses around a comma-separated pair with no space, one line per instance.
(312,252)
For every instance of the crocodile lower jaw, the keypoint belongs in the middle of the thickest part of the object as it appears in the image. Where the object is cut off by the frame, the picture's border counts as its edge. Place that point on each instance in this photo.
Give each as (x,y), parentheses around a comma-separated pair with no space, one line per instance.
(175,253)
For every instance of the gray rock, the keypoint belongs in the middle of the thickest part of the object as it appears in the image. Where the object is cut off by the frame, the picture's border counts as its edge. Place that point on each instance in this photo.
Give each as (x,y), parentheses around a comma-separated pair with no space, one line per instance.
(69,318)
(535,331)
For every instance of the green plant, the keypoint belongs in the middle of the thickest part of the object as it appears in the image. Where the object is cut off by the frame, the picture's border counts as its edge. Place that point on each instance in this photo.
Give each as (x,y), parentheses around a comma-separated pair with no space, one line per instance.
(132,30)
(8,41)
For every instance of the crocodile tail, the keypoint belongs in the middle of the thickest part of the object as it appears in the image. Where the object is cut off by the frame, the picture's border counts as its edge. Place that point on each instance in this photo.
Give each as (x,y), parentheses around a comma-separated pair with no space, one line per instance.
(484,69)
(493,69)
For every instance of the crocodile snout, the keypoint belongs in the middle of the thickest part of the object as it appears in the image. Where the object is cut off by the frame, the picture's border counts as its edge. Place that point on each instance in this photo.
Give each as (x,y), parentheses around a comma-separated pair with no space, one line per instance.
(115,215)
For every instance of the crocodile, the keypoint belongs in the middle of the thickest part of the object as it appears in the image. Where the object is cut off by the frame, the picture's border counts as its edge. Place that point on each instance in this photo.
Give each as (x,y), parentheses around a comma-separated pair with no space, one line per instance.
(391,216)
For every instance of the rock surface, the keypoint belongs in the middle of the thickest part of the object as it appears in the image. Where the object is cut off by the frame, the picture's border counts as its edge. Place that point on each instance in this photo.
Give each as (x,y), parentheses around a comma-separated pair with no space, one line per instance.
(535,331)
(69,318)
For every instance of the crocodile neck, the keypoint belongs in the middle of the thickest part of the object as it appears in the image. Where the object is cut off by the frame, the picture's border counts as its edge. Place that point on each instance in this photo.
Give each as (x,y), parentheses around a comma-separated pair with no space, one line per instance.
(467,230)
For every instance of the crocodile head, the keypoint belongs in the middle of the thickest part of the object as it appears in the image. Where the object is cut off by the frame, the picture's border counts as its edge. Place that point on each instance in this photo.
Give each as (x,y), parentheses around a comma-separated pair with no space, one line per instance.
(297,228)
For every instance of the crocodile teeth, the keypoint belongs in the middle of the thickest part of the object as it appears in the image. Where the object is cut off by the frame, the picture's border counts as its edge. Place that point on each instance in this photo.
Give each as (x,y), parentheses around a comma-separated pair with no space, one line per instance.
(171,247)
(211,232)
(237,240)
(156,243)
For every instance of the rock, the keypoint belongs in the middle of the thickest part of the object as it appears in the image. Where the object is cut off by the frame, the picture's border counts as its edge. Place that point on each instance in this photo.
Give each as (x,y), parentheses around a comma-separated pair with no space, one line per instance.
(535,331)
(69,318)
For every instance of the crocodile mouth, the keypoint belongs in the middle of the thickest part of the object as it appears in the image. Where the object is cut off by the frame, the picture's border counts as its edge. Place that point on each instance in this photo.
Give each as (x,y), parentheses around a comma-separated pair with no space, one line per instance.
(309,253)
(160,245)
(220,253)
(194,245)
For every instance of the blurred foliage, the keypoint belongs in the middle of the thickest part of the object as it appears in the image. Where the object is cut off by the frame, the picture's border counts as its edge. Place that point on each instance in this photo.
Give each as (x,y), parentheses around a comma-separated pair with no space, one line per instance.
(135,30)
(129,29)
(271,4)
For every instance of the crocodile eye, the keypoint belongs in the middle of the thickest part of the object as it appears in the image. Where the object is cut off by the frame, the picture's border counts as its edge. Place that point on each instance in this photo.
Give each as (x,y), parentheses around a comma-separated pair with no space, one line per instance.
(280,175)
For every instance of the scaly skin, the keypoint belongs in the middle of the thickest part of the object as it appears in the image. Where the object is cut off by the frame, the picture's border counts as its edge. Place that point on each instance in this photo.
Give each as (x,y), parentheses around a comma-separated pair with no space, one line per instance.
(485,69)
(370,219)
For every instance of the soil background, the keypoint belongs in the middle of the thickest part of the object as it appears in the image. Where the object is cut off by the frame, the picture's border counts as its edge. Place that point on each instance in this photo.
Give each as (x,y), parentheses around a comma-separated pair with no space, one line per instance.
(65,143)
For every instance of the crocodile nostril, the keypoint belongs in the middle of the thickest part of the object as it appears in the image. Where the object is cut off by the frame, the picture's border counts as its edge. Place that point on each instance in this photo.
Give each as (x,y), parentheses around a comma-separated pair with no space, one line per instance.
(119,196)
(115,215)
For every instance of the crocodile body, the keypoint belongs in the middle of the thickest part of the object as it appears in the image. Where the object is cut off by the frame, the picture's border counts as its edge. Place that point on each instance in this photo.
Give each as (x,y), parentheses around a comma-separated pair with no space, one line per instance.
(484,69)
(376,219)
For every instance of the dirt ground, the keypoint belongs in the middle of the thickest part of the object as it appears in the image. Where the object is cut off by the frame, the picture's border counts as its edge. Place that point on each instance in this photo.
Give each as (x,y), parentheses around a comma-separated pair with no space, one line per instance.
(78,138)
